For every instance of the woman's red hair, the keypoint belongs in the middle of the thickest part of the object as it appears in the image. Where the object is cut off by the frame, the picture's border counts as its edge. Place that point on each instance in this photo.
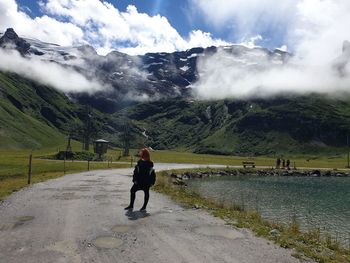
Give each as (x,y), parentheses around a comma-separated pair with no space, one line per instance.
(145,154)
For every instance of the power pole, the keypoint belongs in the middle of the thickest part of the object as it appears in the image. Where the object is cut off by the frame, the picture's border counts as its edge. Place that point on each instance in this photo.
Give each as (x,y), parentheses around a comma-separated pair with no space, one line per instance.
(30,168)
(69,147)
(87,134)
(348,155)
(126,138)
(87,129)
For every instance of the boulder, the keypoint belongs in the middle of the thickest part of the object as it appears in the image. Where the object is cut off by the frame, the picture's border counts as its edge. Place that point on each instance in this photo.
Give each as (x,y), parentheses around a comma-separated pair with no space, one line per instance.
(274,232)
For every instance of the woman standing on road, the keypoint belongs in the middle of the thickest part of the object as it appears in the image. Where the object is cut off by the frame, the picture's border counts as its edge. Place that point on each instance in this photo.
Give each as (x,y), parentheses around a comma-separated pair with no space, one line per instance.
(143,178)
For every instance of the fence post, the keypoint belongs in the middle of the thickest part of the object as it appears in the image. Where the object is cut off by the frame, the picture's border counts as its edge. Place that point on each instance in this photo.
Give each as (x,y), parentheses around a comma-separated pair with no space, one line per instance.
(64,165)
(30,168)
(88,165)
(131,161)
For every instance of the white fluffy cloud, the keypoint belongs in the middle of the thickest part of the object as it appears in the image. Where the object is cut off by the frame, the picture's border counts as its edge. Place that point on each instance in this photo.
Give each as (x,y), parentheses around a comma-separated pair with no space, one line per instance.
(44,28)
(247,18)
(319,29)
(309,27)
(99,23)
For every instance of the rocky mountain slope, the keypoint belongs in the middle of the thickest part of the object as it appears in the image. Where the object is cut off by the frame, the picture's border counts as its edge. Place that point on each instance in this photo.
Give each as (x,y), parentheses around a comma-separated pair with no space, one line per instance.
(303,124)
(151,76)
(34,115)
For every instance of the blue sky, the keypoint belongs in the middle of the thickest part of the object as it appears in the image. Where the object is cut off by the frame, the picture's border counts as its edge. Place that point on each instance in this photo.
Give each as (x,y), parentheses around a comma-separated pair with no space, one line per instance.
(198,23)
(177,12)
(140,26)
(181,14)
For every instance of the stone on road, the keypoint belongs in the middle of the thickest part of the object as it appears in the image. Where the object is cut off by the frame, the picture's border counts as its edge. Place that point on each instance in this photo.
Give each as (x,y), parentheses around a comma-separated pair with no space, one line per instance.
(81,218)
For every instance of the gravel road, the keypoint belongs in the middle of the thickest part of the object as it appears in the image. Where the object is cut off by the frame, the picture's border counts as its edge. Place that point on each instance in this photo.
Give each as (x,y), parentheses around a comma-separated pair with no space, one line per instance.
(80,218)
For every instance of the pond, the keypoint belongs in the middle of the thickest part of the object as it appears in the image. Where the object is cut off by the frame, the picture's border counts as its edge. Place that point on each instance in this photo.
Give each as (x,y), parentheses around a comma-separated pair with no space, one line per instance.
(316,202)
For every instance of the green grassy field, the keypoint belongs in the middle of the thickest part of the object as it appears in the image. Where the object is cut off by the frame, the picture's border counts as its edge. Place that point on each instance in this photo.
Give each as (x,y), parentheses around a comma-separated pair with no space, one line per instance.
(14,167)
(14,164)
(334,162)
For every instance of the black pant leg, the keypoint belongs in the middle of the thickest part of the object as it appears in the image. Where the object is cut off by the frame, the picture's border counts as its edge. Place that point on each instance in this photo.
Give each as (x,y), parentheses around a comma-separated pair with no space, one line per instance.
(133,191)
(145,202)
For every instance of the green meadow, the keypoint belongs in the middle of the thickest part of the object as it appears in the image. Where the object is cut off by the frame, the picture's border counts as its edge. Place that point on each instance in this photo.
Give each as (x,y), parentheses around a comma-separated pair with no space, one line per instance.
(14,166)
(14,163)
(331,162)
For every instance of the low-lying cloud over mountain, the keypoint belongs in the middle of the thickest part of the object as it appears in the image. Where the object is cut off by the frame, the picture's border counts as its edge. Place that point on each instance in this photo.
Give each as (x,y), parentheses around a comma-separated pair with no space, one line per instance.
(234,71)
(312,31)
(48,73)
(260,74)
(14,54)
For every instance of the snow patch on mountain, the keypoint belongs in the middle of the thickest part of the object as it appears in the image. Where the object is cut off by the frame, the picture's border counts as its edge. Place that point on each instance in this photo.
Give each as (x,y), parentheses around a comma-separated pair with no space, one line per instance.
(185,68)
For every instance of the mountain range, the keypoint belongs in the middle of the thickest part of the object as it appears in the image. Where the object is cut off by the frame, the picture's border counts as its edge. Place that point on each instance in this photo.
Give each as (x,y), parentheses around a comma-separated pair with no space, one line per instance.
(154,95)
(152,76)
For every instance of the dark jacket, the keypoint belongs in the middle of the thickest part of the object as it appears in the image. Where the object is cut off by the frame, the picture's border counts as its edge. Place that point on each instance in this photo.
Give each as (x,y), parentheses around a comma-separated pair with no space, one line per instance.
(143,173)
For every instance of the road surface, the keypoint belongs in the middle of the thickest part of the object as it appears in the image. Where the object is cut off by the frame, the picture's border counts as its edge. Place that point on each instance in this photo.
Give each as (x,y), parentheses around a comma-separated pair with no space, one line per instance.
(80,218)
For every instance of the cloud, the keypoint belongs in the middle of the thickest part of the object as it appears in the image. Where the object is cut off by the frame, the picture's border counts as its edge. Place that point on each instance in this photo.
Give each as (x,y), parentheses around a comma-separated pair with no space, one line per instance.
(319,29)
(247,18)
(302,25)
(44,28)
(314,31)
(251,43)
(227,76)
(102,25)
(47,73)
(198,38)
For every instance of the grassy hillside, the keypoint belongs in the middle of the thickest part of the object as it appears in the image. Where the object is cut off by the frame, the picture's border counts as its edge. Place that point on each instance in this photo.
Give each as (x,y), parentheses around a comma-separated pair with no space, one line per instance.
(34,116)
(37,116)
(297,125)
(19,127)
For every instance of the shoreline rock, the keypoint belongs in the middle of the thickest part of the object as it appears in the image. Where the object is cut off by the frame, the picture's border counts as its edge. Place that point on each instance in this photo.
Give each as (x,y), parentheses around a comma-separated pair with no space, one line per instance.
(180,178)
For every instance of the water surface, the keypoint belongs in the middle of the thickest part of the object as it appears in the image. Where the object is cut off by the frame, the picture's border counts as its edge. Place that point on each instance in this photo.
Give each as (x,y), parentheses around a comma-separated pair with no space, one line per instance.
(315,201)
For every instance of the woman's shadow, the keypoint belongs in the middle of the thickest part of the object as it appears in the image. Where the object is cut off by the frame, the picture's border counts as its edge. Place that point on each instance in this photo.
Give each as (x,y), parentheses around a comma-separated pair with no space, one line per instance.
(135,215)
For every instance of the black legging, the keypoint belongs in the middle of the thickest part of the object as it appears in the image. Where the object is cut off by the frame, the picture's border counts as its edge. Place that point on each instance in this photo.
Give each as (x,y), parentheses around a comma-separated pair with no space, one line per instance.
(133,191)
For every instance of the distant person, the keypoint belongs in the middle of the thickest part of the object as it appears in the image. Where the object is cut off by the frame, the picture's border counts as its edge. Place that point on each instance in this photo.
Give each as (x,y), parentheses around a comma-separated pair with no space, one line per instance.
(288,164)
(283,163)
(278,163)
(143,178)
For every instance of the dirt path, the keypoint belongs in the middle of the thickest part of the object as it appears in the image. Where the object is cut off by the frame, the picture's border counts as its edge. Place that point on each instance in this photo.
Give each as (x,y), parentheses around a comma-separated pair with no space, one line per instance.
(80,218)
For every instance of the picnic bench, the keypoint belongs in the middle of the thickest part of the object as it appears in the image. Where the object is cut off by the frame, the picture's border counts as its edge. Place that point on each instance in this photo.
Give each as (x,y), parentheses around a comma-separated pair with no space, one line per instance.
(248,164)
